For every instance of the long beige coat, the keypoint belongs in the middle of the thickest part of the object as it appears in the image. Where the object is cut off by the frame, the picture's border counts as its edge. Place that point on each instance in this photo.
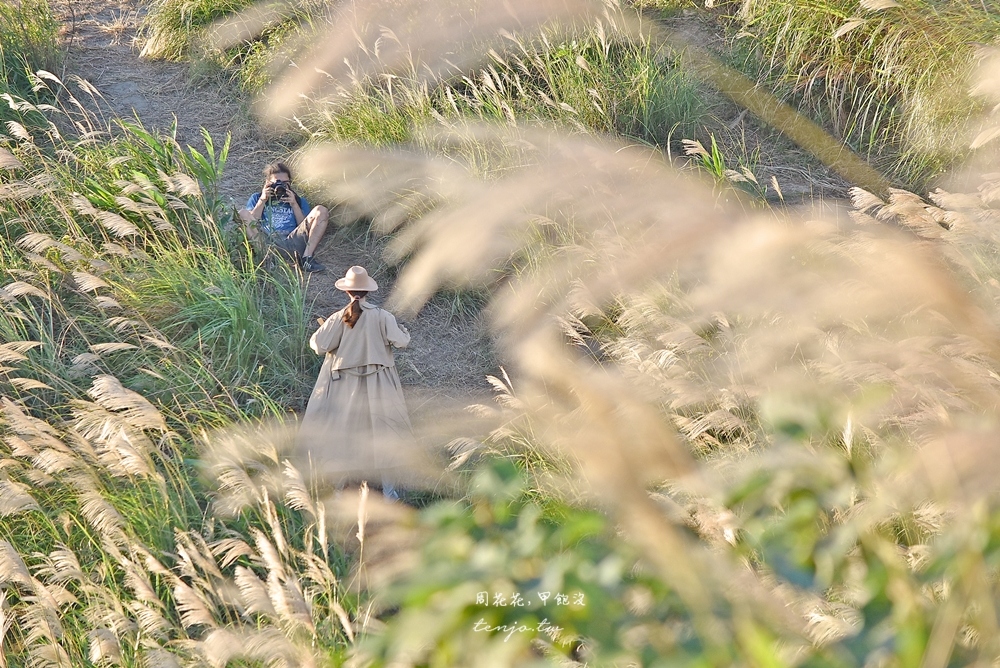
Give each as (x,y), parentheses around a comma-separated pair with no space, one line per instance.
(356,423)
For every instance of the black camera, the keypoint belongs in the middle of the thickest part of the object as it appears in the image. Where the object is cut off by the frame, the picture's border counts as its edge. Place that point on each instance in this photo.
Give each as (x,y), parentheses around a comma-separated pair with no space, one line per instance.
(278,190)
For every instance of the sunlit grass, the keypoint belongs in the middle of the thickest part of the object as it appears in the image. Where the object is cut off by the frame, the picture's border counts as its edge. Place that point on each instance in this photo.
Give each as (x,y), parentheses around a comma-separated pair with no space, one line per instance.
(172,28)
(891,79)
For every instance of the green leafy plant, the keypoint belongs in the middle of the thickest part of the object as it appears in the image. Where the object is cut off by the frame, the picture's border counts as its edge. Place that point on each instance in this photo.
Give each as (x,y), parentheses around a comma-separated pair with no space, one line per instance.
(714,163)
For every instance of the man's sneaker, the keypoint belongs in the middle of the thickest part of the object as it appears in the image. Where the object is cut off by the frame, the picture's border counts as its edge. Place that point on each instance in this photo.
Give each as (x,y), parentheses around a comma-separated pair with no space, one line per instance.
(310,264)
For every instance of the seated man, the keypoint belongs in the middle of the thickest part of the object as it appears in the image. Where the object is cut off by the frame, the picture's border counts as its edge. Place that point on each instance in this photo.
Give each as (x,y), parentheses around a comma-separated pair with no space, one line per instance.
(286,221)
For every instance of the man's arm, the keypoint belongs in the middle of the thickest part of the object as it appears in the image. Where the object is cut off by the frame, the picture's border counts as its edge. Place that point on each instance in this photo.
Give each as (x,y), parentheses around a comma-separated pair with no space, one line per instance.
(253,212)
(300,210)
(258,210)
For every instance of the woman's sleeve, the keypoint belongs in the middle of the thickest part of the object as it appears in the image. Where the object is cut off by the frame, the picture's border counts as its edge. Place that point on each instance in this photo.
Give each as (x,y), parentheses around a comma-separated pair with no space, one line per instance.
(395,333)
(327,337)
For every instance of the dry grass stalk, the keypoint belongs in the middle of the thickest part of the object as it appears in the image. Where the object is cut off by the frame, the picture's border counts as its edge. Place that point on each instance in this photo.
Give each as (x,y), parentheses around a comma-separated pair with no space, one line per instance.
(362,512)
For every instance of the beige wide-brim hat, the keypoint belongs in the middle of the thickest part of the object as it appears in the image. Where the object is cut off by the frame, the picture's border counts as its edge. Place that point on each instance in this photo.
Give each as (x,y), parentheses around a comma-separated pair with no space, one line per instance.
(357,278)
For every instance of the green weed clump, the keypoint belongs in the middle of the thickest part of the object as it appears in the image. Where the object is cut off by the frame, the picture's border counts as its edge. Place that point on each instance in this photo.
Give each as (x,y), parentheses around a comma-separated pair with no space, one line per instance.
(890,79)
(173,29)
(29,41)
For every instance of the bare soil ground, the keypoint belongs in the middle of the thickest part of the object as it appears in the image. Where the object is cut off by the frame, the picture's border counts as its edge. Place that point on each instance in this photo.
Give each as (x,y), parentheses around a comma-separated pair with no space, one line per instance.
(449,355)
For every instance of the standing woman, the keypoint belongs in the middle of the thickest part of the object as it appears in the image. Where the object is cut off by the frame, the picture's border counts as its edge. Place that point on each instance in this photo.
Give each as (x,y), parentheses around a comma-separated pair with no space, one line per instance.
(356,426)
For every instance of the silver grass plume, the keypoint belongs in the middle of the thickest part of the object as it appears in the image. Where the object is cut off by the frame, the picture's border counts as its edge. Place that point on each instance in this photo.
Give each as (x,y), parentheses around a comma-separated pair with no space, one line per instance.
(270,646)
(42,632)
(15,499)
(196,558)
(270,556)
(228,550)
(254,592)
(159,658)
(8,161)
(48,655)
(104,648)
(121,450)
(296,493)
(246,464)
(271,515)
(194,608)
(140,585)
(150,621)
(102,515)
(36,242)
(130,406)
(6,622)
(12,568)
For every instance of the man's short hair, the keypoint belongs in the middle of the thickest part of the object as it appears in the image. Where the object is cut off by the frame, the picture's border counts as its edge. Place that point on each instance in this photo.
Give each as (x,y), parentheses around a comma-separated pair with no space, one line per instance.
(276,168)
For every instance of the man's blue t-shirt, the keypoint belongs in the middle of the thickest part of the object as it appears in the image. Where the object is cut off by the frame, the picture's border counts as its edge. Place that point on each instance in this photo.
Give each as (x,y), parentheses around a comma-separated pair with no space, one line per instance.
(278,217)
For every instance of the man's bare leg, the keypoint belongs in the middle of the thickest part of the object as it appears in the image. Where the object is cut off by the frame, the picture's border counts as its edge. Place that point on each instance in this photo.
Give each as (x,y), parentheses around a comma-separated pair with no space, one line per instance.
(315,224)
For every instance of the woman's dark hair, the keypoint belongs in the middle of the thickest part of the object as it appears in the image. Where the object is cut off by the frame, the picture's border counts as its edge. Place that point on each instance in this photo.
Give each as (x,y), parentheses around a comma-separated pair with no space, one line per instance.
(276,168)
(353,311)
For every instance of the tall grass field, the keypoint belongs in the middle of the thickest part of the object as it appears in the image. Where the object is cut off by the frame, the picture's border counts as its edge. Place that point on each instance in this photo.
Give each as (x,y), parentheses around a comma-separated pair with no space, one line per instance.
(725,432)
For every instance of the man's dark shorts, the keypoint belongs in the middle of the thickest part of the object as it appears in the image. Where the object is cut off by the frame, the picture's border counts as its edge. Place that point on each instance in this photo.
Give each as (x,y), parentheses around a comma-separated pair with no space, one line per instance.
(292,246)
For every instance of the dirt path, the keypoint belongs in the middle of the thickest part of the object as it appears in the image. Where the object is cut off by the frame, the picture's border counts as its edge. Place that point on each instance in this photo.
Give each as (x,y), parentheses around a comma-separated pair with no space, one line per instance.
(448,357)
